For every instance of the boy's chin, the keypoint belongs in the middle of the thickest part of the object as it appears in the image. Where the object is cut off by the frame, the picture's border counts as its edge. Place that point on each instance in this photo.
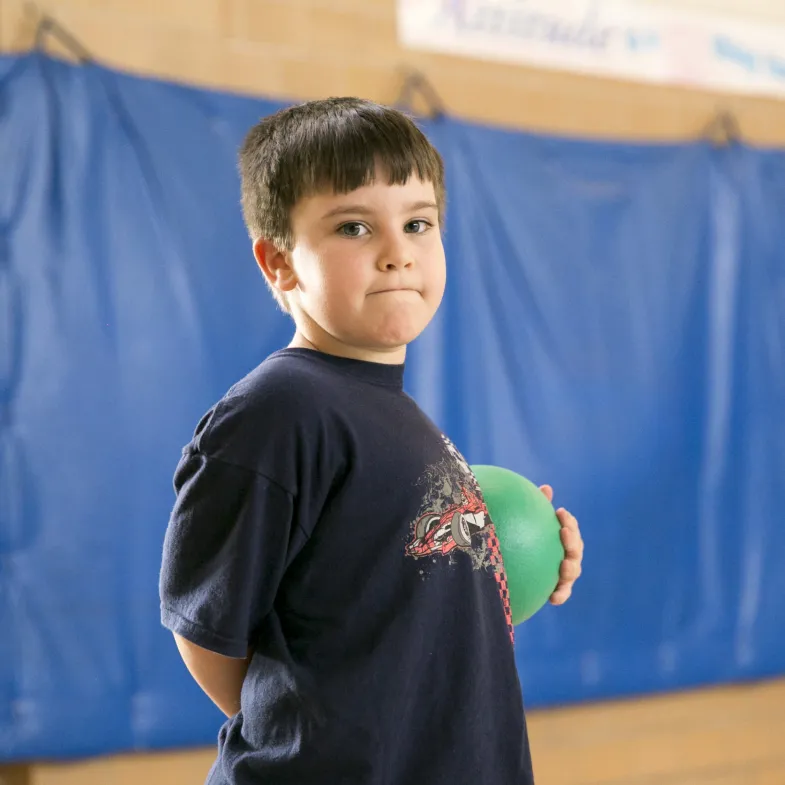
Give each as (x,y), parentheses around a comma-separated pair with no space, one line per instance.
(399,330)
(397,336)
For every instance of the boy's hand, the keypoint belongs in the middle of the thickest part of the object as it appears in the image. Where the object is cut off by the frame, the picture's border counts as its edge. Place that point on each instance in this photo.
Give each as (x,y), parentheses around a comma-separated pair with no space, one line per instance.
(573,552)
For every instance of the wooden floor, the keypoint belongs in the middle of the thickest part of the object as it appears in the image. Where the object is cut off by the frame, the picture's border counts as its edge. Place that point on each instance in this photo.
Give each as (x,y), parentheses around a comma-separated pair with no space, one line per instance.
(725,736)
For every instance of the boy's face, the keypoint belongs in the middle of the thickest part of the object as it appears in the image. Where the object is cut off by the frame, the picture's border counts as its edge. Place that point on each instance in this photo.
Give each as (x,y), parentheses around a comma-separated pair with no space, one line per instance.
(367,271)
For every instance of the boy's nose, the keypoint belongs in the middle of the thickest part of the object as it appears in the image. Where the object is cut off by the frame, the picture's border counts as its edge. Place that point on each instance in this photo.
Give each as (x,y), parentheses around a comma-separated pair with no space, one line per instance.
(390,265)
(395,256)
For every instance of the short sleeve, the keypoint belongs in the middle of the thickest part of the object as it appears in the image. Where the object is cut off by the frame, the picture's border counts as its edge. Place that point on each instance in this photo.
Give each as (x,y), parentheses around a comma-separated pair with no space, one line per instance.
(225,551)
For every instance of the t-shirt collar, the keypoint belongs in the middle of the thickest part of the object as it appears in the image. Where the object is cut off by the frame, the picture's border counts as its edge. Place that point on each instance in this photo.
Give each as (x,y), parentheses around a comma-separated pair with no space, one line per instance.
(374,373)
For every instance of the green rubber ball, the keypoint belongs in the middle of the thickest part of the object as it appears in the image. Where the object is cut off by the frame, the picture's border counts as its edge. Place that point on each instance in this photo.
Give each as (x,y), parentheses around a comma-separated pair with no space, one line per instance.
(529,538)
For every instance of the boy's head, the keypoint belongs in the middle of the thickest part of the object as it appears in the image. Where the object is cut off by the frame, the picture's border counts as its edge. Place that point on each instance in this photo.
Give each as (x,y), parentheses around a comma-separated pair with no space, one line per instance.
(344,201)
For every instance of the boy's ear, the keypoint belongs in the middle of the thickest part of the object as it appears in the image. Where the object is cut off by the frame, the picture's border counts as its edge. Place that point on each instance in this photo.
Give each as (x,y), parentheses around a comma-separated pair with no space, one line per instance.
(275,265)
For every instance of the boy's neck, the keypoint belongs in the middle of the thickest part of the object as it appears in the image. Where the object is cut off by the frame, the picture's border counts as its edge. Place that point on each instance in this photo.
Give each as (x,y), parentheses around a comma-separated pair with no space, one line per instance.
(328,345)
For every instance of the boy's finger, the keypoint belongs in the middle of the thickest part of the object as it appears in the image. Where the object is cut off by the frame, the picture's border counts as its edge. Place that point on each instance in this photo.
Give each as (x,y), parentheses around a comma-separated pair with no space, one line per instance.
(567,519)
(570,571)
(548,491)
(561,595)
(572,542)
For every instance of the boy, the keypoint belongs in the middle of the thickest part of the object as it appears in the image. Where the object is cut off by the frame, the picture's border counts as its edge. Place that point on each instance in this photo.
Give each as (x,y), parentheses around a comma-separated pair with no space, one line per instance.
(342,643)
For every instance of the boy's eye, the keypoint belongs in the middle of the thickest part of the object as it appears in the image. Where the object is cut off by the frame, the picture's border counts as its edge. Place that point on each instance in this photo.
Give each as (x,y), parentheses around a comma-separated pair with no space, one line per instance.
(353,229)
(419,227)
(356,229)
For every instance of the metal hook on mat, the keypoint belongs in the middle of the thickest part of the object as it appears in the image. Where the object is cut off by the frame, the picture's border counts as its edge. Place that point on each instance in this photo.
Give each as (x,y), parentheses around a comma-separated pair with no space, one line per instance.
(724,129)
(415,84)
(50,26)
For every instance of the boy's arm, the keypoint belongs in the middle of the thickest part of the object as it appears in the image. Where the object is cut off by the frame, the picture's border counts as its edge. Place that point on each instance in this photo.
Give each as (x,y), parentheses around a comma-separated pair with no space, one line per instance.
(219,676)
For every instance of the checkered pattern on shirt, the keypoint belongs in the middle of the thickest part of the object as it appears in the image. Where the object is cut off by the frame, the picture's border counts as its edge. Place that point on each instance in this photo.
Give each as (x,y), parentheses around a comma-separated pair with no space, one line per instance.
(497,565)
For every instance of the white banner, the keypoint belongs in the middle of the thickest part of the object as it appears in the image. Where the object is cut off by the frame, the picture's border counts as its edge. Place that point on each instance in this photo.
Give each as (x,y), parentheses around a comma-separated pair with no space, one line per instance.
(604,37)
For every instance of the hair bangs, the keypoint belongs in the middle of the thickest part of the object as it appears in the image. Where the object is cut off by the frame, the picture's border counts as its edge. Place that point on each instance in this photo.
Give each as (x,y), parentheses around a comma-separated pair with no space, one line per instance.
(354,153)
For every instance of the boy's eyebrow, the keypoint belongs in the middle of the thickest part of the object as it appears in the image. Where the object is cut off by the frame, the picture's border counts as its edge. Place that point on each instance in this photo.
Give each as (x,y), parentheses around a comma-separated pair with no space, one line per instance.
(363,210)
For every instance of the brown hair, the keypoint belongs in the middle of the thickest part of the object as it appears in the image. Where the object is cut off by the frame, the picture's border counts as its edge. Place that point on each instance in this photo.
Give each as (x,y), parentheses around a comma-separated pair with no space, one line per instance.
(332,144)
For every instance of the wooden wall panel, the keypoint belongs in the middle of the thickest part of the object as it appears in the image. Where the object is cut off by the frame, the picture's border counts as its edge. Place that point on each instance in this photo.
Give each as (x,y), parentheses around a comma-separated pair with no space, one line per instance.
(299,49)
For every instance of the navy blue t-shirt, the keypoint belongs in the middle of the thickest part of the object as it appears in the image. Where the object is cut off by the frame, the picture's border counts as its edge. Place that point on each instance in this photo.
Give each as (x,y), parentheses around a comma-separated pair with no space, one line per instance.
(323,521)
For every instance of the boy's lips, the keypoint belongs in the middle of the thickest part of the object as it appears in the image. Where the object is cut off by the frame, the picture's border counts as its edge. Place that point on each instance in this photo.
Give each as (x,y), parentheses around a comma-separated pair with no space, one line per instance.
(396,289)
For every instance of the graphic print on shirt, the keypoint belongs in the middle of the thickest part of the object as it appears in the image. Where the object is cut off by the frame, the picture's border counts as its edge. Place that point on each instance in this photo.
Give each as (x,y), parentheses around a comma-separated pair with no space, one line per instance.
(453,521)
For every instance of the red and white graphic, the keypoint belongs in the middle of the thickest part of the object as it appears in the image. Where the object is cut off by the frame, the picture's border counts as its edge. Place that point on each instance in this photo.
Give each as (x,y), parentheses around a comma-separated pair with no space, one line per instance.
(453,528)
(454,519)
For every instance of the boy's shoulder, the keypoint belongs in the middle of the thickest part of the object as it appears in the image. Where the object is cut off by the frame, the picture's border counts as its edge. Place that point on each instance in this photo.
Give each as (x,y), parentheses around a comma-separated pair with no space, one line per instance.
(288,393)
(283,385)
(287,377)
